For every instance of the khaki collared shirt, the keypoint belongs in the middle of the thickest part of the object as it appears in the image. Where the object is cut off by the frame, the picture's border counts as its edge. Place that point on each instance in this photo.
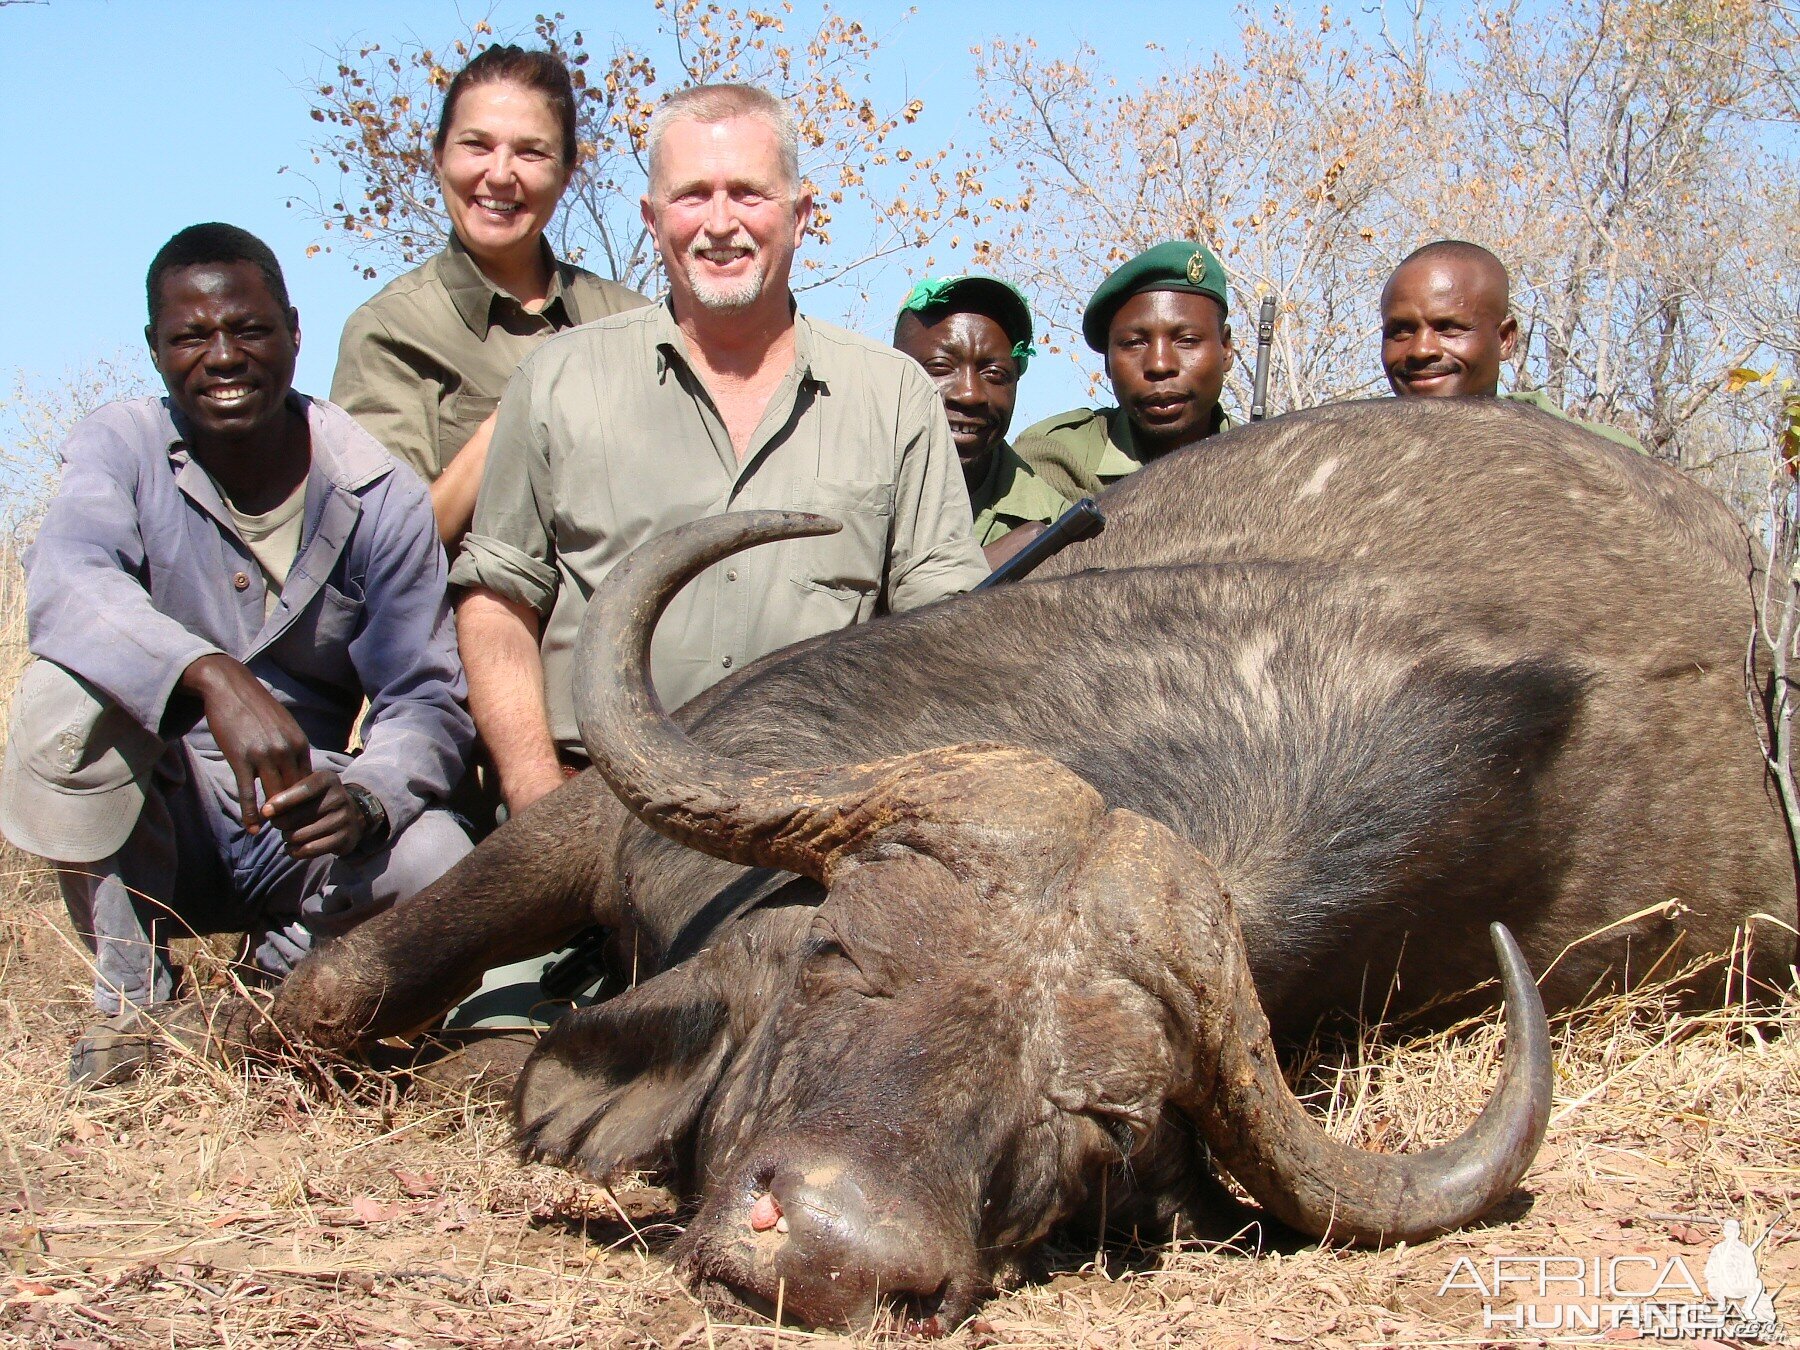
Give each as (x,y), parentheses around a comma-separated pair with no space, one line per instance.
(1011,495)
(1537,398)
(608,438)
(1078,453)
(424,361)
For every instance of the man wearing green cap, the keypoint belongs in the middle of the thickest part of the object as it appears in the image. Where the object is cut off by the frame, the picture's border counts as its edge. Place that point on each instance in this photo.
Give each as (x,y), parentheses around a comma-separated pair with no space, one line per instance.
(1160,321)
(972,334)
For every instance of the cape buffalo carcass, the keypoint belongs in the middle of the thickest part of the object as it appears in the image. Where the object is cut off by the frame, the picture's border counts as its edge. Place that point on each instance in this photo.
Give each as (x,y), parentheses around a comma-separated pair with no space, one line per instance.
(934,926)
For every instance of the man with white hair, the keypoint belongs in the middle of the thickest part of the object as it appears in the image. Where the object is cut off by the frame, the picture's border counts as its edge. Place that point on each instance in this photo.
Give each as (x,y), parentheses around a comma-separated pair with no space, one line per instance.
(722,398)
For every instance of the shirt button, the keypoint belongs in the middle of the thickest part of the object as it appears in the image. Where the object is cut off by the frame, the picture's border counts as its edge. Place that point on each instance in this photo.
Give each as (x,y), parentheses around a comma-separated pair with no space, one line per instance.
(731,575)
(241,581)
(726,662)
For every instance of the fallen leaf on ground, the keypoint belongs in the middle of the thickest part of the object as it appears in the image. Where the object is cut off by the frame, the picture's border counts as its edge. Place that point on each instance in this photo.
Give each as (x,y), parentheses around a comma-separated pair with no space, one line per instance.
(370,1210)
(416,1184)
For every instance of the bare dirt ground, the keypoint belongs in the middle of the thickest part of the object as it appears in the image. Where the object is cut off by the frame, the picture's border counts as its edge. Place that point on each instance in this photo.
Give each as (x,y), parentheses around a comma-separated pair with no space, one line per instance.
(298,1207)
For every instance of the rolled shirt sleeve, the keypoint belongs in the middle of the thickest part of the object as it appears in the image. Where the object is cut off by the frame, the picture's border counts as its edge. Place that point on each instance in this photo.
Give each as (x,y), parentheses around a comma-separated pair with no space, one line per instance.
(510,548)
(607,437)
(88,606)
(934,549)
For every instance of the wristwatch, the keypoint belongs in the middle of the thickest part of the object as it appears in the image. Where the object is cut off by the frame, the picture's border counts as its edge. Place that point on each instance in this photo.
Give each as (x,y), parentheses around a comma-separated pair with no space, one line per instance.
(374,814)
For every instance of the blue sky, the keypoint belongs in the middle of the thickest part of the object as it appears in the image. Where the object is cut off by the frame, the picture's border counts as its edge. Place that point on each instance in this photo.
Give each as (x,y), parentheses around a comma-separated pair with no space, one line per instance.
(125,121)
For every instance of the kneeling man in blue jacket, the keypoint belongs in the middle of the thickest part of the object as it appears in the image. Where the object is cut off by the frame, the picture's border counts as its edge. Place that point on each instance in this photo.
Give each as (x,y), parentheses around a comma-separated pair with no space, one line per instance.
(224,578)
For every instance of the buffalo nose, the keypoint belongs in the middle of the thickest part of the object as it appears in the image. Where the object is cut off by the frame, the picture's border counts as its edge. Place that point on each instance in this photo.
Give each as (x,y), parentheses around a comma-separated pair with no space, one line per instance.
(833,1247)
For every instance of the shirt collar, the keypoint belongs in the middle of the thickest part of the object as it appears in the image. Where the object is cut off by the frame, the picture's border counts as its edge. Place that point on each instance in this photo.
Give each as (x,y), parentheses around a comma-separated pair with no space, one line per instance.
(671,345)
(1121,441)
(988,489)
(474,295)
(1120,454)
(342,452)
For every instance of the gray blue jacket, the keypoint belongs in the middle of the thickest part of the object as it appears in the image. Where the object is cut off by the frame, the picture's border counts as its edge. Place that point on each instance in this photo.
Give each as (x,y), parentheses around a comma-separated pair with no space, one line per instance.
(137,572)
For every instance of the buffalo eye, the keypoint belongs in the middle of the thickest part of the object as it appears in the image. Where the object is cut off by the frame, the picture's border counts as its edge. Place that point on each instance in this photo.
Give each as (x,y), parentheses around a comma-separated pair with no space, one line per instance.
(1125,1132)
(829,968)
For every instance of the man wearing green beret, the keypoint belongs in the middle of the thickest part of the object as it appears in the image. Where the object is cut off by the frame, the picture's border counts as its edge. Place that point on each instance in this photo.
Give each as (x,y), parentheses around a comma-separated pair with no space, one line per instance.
(1447,327)
(972,334)
(1161,323)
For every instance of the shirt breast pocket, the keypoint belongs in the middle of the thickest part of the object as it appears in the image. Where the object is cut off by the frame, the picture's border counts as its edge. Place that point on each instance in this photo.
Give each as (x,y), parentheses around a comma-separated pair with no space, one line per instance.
(844,571)
(458,417)
(317,643)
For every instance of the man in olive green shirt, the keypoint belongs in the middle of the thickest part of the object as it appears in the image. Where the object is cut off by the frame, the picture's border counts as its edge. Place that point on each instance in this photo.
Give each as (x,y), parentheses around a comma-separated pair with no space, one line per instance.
(972,335)
(723,398)
(1161,321)
(423,362)
(852,431)
(1447,327)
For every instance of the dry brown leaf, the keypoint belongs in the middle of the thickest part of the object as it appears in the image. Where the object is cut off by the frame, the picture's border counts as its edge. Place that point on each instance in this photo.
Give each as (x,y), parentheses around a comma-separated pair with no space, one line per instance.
(370,1210)
(419,1185)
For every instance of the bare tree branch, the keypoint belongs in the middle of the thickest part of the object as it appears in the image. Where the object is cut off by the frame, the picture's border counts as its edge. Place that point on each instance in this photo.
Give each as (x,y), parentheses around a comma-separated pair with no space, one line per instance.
(1620,155)
(372,187)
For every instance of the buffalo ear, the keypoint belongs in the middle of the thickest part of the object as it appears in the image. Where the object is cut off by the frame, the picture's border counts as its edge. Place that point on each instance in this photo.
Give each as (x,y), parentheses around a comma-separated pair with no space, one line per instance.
(620,1086)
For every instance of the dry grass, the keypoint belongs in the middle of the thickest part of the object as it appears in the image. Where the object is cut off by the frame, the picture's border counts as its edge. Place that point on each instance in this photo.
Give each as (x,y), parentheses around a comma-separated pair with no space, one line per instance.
(269,1206)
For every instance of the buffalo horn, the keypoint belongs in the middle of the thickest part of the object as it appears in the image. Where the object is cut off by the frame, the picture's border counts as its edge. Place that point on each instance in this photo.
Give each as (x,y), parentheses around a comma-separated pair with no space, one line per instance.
(1266,1139)
(745,814)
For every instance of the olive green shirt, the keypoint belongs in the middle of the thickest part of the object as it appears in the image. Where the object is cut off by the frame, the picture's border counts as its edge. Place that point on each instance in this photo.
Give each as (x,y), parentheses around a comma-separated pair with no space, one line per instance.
(425,360)
(607,438)
(1079,452)
(1011,495)
(1537,398)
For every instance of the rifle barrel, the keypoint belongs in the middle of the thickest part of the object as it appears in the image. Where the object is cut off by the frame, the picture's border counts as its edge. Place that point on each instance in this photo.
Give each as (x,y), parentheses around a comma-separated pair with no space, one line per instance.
(1081,521)
(1265,344)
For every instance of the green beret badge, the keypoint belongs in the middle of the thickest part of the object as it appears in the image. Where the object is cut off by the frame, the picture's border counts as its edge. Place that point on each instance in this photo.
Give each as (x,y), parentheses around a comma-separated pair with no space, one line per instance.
(1178,265)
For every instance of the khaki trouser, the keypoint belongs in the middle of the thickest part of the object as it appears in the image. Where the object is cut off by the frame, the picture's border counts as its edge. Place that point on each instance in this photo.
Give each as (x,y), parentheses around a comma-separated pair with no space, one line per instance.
(190,866)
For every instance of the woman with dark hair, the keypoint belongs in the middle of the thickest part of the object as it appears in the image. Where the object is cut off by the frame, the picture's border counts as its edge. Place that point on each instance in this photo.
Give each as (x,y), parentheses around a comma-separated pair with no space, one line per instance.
(422,364)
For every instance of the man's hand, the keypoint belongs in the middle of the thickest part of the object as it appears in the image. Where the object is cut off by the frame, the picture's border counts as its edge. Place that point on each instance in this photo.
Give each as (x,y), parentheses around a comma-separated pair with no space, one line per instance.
(317,816)
(259,738)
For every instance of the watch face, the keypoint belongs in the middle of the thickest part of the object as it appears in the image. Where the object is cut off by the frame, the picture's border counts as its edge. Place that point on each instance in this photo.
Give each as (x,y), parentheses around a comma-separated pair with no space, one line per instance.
(373,813)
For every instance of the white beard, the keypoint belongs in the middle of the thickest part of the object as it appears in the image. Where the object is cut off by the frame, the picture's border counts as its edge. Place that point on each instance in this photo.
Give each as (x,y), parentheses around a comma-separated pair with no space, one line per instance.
(728,297)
